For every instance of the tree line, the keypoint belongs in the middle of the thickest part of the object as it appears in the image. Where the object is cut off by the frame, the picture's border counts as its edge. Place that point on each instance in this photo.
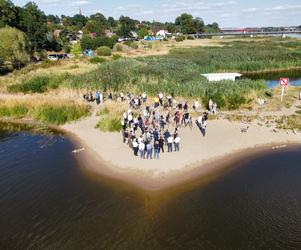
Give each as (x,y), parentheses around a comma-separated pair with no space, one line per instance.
(26,32)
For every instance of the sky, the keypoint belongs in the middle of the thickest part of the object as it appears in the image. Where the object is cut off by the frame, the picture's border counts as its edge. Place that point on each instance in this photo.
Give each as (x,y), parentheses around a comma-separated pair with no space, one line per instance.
(228,13)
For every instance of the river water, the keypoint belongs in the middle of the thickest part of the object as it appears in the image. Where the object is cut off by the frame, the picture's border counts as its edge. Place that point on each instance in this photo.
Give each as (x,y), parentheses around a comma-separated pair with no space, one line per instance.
(48,202)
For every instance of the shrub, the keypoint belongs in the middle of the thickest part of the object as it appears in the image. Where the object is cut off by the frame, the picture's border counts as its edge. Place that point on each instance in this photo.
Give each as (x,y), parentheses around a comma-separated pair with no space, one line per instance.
(35,85)
(76,50)
(104,51)
(190,37)
(119,47)
(109,124)
(180,38)
(97,59)
(39,84)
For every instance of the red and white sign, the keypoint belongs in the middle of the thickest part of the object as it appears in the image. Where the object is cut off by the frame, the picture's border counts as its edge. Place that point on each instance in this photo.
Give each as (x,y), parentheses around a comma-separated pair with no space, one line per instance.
(284,81)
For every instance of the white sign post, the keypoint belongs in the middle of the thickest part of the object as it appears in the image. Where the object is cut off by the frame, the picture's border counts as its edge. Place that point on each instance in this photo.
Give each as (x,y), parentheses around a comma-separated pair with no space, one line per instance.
(283,83)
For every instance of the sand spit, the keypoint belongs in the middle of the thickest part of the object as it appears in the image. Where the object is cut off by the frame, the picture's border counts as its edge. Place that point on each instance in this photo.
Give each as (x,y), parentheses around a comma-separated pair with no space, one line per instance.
(105,153)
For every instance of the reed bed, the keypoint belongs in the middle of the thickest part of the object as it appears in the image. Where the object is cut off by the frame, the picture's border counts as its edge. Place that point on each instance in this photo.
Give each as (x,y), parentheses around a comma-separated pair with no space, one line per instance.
(43,110)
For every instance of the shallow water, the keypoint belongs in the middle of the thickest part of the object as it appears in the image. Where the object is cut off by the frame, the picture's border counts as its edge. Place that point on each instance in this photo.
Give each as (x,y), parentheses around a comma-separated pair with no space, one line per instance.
(47,202)
(272,79)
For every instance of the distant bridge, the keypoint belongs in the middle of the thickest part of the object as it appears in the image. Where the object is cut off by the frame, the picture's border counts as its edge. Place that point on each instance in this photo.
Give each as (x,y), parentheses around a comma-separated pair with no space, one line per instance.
(263,33)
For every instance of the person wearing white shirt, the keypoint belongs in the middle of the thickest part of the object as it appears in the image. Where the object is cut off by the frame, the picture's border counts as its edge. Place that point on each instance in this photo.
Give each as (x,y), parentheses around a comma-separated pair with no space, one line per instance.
(144,97)
(130,119)
(177,143)
(135,147)
(169,143)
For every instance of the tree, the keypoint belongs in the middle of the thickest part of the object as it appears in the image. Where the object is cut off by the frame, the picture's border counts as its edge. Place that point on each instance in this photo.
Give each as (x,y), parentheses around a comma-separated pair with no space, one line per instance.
(199,25)
(93,43)
(185,21)
(53,19)
(79,21)
(101,23)
(90,26)
(8,14)
(112,22)
(76,50)
(34,23)
(142,33)
(13,48)
(212,28)
(126,25)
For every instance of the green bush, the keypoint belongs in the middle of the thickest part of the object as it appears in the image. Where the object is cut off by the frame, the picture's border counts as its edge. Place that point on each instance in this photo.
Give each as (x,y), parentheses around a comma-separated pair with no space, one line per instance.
(180,38)
(119,47)
(35,85)
(190,37)
(109,124)
(97,59)
(104,51)
(39,84)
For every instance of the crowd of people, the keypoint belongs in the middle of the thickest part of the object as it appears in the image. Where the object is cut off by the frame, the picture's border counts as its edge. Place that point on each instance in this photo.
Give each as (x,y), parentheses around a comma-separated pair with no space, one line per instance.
(146,132)
(147,125)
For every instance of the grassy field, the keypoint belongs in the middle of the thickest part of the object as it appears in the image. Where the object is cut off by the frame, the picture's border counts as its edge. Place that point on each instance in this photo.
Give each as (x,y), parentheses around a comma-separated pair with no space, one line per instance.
(177,73)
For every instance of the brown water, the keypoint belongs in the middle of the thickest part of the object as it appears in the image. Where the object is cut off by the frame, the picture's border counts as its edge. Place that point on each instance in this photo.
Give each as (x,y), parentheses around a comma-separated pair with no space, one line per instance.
(46,202)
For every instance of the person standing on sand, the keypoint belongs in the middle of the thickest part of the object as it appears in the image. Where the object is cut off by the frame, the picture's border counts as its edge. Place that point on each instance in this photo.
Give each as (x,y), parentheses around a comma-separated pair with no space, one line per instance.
(160,96)
(210,105)
(149,150)
(141,149)
(156,150)
(214,108)
(97,97)
(169,143)
(300,95)
(135,147)
(122,96)
(177,143)
(196,106)
(161,144)
(166,135)
(201,122)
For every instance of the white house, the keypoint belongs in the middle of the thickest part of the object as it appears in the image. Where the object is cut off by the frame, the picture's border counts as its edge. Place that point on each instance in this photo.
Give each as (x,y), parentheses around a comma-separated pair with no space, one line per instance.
(222,76)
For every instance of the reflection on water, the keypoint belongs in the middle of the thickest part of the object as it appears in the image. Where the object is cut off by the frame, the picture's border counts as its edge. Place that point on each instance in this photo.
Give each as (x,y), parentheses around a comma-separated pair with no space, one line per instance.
(46,202)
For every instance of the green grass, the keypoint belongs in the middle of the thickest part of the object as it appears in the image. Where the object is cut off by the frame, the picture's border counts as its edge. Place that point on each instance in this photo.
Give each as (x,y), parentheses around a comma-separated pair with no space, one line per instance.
(110,124)
(17,111)
(109,121)
(58,114)
(49,113)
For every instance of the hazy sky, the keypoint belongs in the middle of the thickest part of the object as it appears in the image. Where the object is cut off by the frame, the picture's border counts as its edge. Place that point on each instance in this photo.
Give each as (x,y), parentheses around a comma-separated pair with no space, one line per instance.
(236,13)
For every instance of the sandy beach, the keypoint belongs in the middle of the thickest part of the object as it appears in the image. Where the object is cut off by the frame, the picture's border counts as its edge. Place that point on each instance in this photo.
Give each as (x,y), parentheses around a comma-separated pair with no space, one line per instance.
(105,153)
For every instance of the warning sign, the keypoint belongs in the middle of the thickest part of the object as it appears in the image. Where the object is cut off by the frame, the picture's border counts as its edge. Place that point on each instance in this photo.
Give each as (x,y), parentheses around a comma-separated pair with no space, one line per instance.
(284,81)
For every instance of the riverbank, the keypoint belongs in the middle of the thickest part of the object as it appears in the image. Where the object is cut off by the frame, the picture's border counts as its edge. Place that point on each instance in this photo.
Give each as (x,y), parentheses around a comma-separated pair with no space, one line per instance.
(223,147)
